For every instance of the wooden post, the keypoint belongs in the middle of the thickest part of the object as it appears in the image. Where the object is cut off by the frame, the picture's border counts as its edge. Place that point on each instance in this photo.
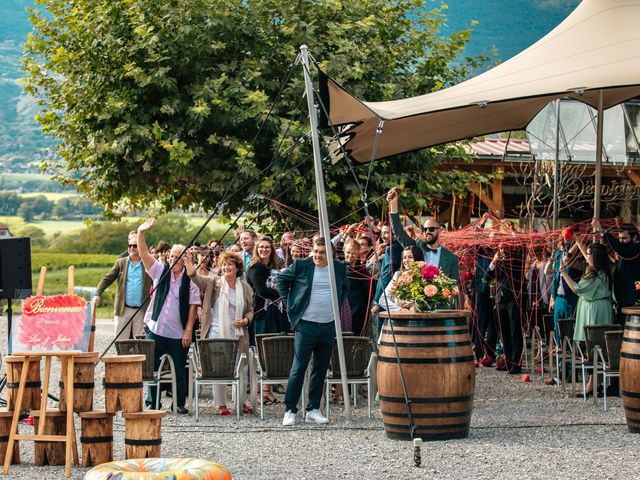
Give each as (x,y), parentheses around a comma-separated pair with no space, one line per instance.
(5,427)
(83,382)
(70,279)
(32,392)
(52,422)
(97,438)
(123,383)
(143,434)
(41,279)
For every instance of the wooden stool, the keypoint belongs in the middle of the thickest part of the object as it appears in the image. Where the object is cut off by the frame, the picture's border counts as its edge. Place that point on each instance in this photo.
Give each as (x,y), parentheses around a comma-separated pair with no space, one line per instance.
(97,438)
(83,382)
(123,383)
(5,428)
(32,392)
(143,434)
(50,453)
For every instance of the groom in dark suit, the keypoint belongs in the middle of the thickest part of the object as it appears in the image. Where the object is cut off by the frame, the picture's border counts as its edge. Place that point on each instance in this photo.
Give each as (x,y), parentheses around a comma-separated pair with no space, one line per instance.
(434,253)
(304,288)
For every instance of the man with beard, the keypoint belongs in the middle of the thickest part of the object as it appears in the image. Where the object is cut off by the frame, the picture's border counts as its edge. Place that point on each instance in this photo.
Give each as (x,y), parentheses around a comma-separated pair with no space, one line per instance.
(434,253)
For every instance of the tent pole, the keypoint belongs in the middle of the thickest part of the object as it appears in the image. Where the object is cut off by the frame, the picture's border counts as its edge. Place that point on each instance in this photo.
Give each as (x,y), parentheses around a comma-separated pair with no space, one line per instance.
(324,226)
(556,170)
(598,169)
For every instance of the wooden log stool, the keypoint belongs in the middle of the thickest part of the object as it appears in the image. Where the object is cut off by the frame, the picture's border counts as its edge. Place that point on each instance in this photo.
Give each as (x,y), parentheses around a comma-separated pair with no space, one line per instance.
(83,382)
(143,434)
(97,438)
(32,391)
(123,383)
(50,453)
(5,427)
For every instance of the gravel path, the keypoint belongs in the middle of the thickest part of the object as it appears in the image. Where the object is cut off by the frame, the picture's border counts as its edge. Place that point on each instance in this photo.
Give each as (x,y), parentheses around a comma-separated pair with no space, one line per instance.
(518,430)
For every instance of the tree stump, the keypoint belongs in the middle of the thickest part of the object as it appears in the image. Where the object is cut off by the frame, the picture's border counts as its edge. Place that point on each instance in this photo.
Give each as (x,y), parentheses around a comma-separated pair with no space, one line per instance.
(97,438)
(123,383)
(83,383)
(5,427)
(143,434)
(50,453)
(32,391)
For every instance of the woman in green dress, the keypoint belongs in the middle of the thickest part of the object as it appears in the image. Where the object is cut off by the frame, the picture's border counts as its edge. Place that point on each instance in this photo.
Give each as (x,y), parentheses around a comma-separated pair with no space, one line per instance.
(594,292)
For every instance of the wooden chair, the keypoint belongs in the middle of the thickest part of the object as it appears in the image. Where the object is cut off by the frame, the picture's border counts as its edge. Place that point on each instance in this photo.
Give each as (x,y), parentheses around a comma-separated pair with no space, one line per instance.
(594,341)
(359,359)
(166,372)
(216,364)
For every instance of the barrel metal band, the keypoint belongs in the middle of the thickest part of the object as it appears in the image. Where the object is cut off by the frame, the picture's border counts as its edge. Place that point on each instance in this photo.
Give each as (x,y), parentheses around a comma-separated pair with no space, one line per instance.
(123,385)
(632,328)
(141,443)
(624,393)
(631,356)
(453,426)
(426,415)
(32,384)
(426,344)
(407,360)
(80,385)
(96,439)
(425,332)
(632,409)
(464,398)
(631,340)
(434,322)
(4,438)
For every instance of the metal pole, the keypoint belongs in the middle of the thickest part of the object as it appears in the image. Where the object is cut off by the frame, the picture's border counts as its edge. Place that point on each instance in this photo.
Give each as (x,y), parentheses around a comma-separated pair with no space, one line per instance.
(556,170)
(324,226)
(598,172)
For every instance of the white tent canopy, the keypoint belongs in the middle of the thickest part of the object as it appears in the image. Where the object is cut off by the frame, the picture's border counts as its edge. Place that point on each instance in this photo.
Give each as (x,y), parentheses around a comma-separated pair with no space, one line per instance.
(595,49)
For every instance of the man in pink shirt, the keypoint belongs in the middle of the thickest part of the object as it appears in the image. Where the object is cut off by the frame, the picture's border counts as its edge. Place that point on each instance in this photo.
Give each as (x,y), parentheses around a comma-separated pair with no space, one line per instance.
(171,313)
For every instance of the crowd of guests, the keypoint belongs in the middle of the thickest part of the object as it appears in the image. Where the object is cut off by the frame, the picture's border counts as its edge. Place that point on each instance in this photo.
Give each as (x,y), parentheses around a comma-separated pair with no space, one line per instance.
(253,285)
(589,277)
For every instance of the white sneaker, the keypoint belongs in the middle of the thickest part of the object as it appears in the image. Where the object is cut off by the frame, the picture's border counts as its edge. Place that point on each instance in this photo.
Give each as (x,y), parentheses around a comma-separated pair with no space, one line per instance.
(289,418)
(314,416)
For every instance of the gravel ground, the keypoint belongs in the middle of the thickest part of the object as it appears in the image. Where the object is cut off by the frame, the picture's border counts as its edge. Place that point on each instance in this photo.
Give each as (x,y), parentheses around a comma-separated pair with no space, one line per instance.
(527,430)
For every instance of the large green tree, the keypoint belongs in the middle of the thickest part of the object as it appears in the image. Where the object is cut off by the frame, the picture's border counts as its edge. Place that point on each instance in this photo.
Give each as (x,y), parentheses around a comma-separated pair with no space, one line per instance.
(157,103)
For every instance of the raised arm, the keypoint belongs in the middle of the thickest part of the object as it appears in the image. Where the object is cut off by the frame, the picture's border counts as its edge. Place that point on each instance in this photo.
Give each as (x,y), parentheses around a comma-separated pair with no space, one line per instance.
(396,225)
(145,255)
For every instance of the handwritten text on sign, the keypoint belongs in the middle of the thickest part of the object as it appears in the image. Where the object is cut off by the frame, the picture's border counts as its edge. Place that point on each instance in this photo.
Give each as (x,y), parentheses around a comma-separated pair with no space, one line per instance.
(59,322)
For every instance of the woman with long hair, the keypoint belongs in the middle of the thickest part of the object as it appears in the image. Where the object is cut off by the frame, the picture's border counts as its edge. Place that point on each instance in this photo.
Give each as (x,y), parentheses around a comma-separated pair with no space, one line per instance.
(387,300)
(263,269)
(594,292)
(227,308)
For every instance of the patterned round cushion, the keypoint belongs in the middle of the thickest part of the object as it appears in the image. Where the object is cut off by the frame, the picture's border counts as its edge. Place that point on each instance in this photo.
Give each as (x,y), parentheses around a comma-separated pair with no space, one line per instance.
(159,469)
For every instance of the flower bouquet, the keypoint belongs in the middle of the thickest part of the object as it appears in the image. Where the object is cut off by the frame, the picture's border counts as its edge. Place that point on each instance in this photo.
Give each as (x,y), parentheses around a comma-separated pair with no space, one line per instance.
(426,287)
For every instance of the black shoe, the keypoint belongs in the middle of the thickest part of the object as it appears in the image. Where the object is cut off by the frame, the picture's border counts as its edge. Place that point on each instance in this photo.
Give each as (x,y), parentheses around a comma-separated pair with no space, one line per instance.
(515,370)
(502,368)
(581,395)
(613,392)
(183,411)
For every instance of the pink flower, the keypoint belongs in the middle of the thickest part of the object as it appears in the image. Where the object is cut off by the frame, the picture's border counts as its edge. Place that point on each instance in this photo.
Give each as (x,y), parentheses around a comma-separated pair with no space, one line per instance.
(430,290)
(405,279)
(429,272)
(456,290)
(421,263)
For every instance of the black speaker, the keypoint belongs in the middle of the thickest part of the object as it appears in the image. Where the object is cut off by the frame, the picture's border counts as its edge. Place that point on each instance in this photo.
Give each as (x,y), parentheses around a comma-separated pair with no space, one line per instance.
(15,267)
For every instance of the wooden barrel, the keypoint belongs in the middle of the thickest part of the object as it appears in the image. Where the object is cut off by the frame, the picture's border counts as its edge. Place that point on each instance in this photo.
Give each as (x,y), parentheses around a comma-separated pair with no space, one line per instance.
(83,382)
(123,383)
(630,369)
(32,391)
(97,437)
(434,352)
(143,434)
(6,417)
(50,453)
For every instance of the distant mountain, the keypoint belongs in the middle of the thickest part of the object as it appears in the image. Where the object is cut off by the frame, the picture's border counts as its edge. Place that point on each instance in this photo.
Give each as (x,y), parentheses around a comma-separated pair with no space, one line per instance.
(508,25)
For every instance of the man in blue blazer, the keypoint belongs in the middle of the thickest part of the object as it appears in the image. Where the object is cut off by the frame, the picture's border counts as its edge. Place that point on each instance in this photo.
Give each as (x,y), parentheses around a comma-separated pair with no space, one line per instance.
(305,290)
